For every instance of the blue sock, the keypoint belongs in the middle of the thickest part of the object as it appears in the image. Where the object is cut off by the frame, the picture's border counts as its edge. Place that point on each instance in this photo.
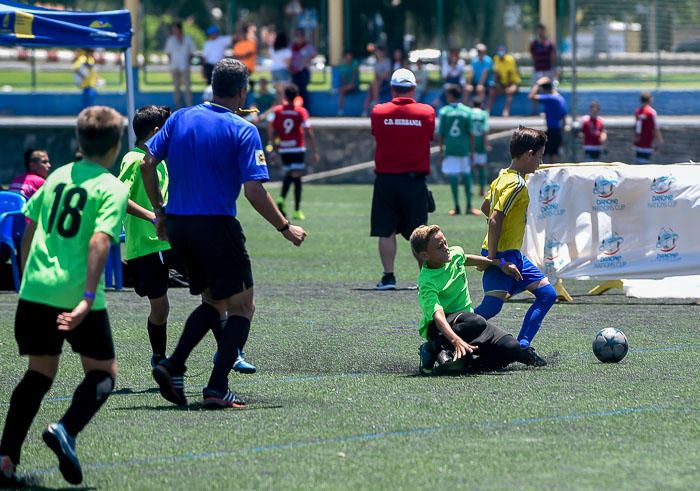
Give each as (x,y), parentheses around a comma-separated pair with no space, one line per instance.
(490,307)
(545,296)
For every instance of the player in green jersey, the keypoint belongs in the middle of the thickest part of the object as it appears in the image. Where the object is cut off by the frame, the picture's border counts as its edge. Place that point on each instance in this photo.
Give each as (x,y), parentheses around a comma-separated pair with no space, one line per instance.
(147,256)
(73,219)
(454,129)
(480,132)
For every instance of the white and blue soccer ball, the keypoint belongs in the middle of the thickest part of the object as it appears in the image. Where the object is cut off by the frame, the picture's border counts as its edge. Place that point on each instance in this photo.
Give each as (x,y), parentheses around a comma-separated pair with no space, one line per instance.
(610,345)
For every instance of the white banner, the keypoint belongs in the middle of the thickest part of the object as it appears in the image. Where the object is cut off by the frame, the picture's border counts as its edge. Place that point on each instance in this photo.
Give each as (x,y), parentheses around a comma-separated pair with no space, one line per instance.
(614,221)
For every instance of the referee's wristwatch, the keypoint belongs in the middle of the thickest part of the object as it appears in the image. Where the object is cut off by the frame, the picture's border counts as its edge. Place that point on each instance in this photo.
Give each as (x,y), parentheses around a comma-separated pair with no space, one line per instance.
(284,228)
(160,211)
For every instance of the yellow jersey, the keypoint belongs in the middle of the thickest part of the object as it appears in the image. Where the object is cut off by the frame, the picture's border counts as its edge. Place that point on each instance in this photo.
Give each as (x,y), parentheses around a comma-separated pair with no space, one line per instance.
(508,194)
(506,70)
(84,71)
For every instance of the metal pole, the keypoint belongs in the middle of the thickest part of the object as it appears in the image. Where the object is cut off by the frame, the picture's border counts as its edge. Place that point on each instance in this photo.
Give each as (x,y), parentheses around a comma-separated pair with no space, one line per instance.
(574,46)
(346,30)
(656,39)
(130,99)
(32,61)
(441,25)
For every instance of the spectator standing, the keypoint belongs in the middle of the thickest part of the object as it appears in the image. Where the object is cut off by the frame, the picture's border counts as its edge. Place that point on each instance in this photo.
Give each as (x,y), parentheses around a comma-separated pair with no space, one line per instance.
(303,53)
(382,72)
(214,50)
(37,165)
(646,131)
(211,153)
(281,57)
(482,74)
(555,114)
(180,48)
(403,130)
(85,75)
(594,134)
(544,57)
(506,78)
(246,47)
(348,79)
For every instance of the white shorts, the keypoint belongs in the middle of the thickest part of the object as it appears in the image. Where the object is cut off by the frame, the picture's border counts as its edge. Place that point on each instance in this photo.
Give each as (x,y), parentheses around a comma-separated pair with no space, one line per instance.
(454,166)
(551,74)
(481,159)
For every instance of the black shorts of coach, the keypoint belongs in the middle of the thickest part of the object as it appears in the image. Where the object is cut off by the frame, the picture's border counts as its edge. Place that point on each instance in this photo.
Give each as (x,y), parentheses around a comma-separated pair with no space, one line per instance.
(554,139)
(151,273)
(36,332)
(212,251)
(399,204)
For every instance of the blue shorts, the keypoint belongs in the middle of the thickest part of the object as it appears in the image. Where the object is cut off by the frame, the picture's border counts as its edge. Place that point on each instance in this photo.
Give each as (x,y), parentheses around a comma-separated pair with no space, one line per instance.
(496,280)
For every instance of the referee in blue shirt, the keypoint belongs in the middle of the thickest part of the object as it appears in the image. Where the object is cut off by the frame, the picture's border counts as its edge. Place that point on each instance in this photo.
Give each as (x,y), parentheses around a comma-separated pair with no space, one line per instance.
(211,152)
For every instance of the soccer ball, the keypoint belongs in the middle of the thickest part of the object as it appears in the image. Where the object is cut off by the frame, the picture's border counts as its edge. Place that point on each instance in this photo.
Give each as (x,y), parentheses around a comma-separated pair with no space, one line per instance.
(610,345)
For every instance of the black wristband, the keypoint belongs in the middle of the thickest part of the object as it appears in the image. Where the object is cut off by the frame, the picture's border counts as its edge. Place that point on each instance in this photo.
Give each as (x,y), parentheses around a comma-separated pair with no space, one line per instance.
(284,228)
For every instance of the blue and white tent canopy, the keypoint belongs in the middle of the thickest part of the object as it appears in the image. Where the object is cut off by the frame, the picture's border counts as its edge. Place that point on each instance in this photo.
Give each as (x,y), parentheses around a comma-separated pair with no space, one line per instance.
(26,25)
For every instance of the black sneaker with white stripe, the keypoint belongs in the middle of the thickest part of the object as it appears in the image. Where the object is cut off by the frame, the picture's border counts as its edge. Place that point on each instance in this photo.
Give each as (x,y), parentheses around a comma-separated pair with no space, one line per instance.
(171,382)
(388,282)
(215,399)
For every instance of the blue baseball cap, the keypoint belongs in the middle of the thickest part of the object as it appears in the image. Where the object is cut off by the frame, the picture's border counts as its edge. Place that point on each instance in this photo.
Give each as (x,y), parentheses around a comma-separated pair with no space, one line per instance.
(212,30)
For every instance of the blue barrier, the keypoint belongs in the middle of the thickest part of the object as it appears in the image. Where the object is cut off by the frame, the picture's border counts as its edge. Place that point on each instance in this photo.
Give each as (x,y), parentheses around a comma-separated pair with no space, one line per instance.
(613,102)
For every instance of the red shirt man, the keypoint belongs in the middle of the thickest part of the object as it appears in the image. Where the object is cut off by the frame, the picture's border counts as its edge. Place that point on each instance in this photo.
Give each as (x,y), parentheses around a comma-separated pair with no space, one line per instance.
(594,134)
(403,130)
(645,130)
(37,164)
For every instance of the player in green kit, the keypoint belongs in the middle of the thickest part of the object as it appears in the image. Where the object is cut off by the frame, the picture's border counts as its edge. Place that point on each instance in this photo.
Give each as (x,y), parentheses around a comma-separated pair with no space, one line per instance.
(73,219)
(147,256)
(454,128)
(480,132)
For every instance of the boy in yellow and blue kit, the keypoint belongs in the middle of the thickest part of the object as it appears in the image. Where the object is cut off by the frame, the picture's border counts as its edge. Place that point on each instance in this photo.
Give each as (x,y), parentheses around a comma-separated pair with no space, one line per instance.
(506,206)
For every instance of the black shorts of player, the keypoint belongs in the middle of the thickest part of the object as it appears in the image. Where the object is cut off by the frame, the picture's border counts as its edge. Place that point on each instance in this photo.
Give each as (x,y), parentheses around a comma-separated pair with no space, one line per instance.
(212,251)
(151,274)
(553,141)
(592,154)
(496,347)
(293,161)
(37,334)
(399,204)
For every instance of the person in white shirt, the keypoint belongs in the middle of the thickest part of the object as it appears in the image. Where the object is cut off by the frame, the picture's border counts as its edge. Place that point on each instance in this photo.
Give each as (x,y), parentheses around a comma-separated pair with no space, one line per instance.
(214,49)
(281,56)
(180,48)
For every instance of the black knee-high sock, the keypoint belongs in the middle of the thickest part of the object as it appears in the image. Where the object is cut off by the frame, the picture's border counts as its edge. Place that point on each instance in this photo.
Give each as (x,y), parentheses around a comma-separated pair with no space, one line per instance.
(285,185)
(88,398)
(24,404)
(158,336)
(201,320)
(233,339)
(297,193)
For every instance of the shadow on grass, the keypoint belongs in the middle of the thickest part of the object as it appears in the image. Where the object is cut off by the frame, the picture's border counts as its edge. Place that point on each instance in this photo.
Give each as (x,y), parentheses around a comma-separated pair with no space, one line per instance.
(128,391)
(197,406)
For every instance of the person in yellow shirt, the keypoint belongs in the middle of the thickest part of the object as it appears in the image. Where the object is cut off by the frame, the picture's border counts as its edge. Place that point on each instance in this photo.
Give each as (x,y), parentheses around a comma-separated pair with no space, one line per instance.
(85,75)
(507,78)
(506,206)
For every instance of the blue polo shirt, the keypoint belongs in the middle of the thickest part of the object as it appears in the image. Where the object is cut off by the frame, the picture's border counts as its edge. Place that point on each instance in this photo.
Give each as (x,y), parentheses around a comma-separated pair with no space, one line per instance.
(211,152)
(478,67)
(554,109)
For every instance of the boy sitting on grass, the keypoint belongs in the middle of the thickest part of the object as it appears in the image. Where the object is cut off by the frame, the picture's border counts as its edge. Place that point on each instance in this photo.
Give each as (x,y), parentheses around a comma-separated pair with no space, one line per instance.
(449,322)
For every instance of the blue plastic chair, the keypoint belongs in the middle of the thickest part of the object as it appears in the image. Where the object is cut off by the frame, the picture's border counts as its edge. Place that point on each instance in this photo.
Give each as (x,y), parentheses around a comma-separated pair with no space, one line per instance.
(12,223)
(113,267)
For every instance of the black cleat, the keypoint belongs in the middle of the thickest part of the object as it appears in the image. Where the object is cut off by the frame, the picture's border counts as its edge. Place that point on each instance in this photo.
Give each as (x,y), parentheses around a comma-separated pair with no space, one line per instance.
(8,476)
(171,383)
(63,445)
(529,357)
(214,399)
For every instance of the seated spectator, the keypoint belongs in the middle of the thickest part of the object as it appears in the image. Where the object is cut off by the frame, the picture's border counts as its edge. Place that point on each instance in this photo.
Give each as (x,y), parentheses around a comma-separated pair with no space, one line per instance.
(37,165)
(421,80)
(453,72)
(264,98)
(398,59)
(382,73)
(507,78)
(348,79)
(482,74)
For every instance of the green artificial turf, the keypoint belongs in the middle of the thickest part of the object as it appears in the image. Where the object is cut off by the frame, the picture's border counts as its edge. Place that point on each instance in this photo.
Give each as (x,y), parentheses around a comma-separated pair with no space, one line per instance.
(337,403)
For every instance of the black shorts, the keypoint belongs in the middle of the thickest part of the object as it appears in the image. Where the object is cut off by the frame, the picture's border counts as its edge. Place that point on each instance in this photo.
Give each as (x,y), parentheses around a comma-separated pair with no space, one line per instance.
(399,204)
(293,161)
(592,154)
(36,332)
(212,251)
(151,274)
(553,141)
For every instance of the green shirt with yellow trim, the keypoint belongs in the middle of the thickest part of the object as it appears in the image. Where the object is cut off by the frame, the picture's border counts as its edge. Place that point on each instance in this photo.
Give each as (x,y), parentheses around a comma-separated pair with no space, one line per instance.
(508,194)
(141,238)
(77,201)
(443,288)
